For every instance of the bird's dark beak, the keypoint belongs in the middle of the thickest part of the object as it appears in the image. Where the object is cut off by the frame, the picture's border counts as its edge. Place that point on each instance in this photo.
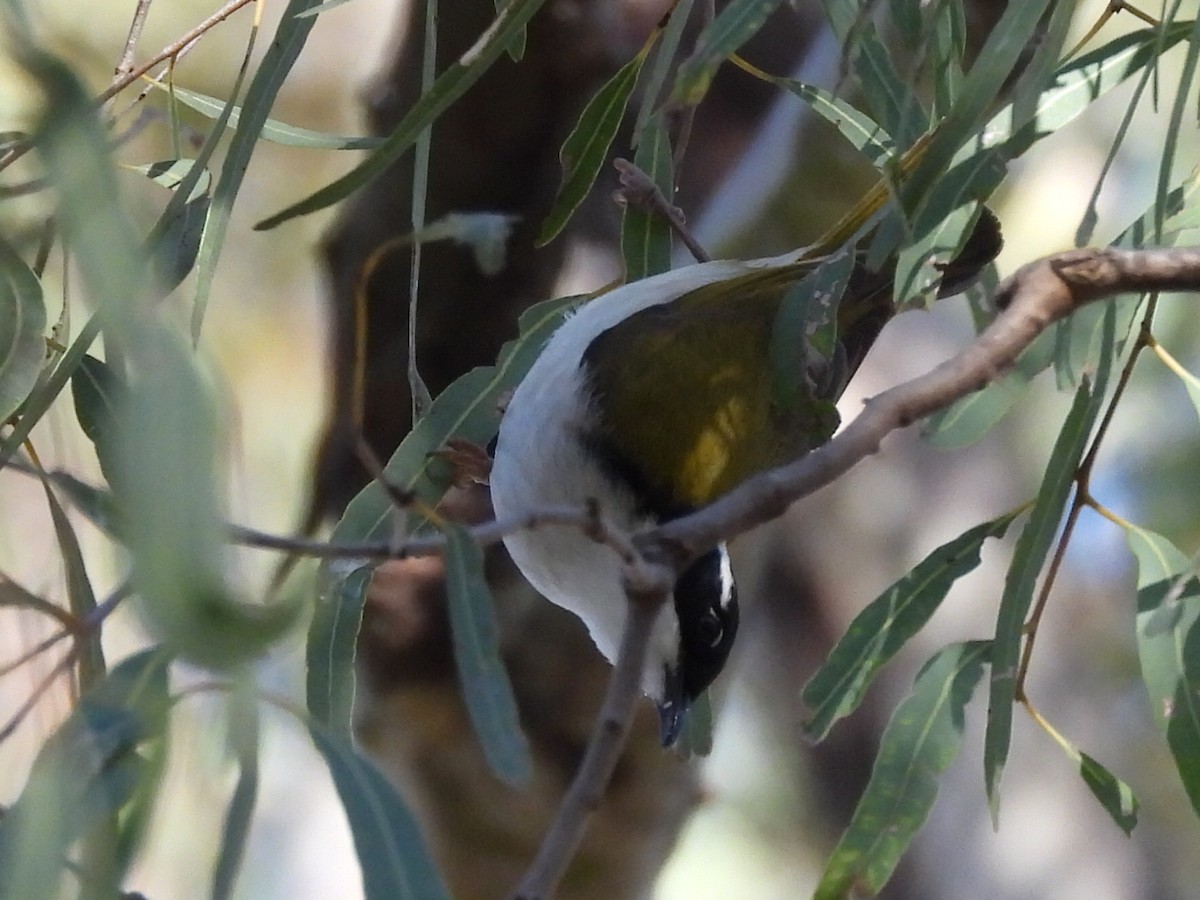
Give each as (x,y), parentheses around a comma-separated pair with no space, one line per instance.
(672,711)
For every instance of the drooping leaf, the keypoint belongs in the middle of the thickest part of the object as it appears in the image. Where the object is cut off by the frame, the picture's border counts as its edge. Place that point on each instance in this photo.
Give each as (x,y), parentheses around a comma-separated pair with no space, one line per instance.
(273,130)
(1168,640)
(1033,545)
(586,147)
(387,839)
(920,741)
(1114,795)
(886,625)
(244,738)
(483,680)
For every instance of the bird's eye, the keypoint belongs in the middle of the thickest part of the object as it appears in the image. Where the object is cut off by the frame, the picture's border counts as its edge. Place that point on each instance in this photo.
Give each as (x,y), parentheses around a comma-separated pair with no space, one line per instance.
(711,631)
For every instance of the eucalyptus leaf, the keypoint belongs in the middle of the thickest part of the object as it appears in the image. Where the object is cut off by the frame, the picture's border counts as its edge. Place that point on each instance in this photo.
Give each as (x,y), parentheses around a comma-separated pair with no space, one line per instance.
(387,839)
(98,394)
(918,744)
(273,130)
(1114,795)
(586,147)
(1168,641)
(482,677)
(1032,547)
(887,623)
(646,238)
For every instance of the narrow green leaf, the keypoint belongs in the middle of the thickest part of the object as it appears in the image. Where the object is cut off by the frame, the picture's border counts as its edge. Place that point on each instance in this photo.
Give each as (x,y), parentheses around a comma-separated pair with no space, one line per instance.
(482,677)
(244,736)
(22,327)
(273,130)
(918,268)
(886,625)
(98,393)
(1168,638)
(586,147)
(85,773)
(1032,547)
(864,133)
(97,505)
(174,243)
(395,863)
(646,239)
(329,653)
(919,743)
(1114,795)
(277,62)
(947,35)
(1190,382)
(451,85)
(324,7)
(733,26)
(467,409)
(516,47)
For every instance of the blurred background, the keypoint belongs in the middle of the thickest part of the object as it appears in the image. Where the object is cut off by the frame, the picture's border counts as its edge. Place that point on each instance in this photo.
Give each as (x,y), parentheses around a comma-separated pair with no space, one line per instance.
(762,177)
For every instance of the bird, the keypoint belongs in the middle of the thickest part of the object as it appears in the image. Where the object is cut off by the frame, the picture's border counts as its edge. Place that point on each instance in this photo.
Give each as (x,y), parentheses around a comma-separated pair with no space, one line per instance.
(653,400)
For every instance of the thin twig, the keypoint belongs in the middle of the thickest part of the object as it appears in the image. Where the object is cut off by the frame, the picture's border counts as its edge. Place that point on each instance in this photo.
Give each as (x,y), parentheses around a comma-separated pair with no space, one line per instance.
(172,49)
(639,190)
(125,66)
(604,748)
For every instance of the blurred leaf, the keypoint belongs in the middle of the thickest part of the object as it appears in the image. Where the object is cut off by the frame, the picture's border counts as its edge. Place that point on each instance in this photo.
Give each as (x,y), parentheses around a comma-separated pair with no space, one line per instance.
(395,863)
(1166,154)
(277,62)
(1168,637)
(1032,547)
(1114,795)
(646,238)
(887,624)
(586,148)
(969,419)
(22,327)
(85,773)
(516,47)
(273,130)
(15,596)
(947,36)
(467,409)
(323,7)
(696,739)
(170,173)
(451,85)
(482,677)
(919,743)
(244,737)
(98,393)
(739,21)
(172,518)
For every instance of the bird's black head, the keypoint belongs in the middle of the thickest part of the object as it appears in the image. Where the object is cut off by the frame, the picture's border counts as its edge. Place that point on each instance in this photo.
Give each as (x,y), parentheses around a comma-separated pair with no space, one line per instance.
(707,608)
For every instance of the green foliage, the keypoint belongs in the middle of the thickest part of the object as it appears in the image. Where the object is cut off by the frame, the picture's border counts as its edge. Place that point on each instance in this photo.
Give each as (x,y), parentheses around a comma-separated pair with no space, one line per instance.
(147,405)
